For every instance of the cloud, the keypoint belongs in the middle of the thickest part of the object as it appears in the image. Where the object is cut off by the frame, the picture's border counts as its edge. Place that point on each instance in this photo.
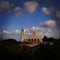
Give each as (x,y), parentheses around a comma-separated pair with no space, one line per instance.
(52,33)
(29,31)
(6,32)
(18,11)
(42,31)
(48,10)
(17,31)
(49,30)
(5,5)
(30,6)
(49,23)
(58,14)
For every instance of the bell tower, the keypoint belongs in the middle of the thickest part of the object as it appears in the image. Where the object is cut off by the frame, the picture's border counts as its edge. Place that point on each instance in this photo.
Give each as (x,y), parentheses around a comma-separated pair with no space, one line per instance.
(22,35)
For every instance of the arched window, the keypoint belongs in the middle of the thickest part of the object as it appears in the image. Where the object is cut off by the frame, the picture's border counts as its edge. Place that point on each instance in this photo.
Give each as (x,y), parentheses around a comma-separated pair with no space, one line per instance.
(34,40)
(28,39)
(38,40)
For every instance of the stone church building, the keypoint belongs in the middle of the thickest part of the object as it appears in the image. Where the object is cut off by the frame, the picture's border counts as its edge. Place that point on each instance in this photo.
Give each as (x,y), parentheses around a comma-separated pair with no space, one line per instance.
(34,38)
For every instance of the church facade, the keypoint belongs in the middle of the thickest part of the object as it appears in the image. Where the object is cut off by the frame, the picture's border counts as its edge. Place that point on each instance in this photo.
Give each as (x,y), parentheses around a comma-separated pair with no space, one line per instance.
(34,38)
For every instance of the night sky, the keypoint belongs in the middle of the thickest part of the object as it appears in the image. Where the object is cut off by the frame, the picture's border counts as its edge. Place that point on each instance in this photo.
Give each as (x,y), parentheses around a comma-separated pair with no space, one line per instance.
(42,16)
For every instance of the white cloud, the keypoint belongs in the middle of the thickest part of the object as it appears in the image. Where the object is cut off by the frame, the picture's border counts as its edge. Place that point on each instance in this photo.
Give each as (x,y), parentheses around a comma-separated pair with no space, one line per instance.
(30,6)
(5,5)
(47,10)
(52,33)
(58,14)
(49,23)
(18,11)
(6,32)
(29,31)
(49,30)
(42,31)
(17,31)
(35,28)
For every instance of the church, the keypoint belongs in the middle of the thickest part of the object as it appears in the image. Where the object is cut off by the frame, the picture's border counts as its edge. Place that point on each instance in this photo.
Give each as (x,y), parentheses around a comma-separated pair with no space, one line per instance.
(34,38)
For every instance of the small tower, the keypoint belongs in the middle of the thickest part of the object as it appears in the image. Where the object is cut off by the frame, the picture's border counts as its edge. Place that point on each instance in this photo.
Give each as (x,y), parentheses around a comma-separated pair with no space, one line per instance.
(22,35)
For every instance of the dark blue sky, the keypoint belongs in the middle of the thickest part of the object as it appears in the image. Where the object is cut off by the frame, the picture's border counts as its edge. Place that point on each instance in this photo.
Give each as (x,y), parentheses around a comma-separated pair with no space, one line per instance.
(40,15)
